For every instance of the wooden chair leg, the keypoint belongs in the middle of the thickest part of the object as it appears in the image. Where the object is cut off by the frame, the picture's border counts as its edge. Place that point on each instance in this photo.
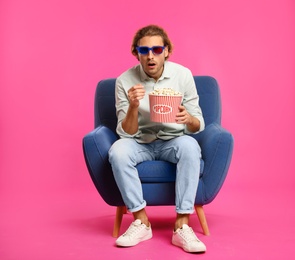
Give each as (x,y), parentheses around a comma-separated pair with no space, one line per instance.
(119,215)
(202,218)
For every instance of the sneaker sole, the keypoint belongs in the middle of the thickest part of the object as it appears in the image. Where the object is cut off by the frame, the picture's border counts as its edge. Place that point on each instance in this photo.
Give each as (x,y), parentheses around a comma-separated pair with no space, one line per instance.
(203,250)
(149,236)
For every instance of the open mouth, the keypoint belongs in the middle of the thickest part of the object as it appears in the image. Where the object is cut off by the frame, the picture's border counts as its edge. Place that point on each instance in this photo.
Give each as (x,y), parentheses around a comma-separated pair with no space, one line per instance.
(151,65)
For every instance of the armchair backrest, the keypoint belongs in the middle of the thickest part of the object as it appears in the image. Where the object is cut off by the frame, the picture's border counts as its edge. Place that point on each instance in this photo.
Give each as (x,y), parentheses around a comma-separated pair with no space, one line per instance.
(105,111)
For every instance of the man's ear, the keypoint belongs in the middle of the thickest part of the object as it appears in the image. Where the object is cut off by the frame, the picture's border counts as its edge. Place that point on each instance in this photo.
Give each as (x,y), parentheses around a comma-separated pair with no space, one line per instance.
(166,52)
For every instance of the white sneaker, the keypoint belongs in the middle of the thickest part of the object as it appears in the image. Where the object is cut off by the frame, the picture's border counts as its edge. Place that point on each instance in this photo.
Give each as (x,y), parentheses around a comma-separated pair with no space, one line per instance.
(186,238)
(137,232)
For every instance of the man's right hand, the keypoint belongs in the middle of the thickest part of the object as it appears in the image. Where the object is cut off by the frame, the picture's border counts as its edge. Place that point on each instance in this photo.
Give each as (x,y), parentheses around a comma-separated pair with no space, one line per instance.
(136,93)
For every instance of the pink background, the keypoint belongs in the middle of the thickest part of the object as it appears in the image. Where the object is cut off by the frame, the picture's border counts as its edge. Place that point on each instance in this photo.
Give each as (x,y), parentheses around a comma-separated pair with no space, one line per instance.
(53,53)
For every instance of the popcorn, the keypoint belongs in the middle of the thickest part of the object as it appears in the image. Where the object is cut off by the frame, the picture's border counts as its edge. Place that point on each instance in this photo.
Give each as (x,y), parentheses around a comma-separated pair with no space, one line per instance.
(165,92)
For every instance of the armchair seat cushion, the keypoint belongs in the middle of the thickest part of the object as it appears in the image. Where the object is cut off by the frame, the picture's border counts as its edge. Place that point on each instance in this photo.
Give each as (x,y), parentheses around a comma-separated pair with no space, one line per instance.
(159,171)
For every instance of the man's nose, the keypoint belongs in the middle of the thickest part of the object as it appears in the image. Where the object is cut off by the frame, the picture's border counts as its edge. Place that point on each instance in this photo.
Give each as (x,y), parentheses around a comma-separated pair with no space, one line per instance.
(150,54)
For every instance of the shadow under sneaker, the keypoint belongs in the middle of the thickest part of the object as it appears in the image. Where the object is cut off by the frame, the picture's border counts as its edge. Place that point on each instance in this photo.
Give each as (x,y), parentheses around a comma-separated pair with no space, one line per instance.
(186,238)
(137,232)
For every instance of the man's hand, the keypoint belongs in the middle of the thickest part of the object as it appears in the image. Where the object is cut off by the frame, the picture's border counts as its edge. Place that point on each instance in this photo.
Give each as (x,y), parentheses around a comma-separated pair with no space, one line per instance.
(135,93)
(183,117)
(130,122)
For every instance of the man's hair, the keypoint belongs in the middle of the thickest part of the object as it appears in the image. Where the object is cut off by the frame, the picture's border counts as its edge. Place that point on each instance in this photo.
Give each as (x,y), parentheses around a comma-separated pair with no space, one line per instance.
(151,30)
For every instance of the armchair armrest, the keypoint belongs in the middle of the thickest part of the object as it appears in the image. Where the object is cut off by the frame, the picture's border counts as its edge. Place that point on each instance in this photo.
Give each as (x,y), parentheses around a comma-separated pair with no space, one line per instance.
(217,148)
(96,145)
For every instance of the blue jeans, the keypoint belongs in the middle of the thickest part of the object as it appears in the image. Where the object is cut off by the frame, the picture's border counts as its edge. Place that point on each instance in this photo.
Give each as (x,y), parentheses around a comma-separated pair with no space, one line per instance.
(185,151)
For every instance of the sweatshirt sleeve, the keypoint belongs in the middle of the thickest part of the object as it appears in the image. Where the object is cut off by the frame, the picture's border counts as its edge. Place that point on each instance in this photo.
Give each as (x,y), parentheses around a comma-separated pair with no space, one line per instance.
(191,101)
(122,105)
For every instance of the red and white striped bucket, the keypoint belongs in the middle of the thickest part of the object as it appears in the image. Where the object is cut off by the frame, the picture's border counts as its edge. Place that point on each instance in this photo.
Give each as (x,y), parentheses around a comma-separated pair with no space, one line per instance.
(163,109)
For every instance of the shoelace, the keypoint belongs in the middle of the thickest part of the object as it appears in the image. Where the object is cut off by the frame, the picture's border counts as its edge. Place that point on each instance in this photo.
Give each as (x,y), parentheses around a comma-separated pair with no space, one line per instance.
(133,229)
(188,234)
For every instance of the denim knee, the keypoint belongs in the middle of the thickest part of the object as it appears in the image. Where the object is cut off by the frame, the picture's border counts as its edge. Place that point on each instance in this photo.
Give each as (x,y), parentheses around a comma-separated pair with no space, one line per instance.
(188,146)
(119,151)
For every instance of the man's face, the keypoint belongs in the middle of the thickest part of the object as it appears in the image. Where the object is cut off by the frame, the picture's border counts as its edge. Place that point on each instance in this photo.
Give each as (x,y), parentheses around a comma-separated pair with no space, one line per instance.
(153,64)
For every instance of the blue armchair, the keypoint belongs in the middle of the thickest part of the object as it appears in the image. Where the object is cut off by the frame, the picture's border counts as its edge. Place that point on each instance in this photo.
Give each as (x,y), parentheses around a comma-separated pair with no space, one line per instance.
(158,177)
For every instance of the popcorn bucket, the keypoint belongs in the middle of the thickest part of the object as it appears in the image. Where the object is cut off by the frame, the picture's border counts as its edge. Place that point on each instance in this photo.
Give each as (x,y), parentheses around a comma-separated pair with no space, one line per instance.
(163,109)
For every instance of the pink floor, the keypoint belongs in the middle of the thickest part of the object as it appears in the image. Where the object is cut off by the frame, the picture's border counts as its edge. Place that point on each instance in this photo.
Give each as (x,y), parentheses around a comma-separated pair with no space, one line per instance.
(76,224)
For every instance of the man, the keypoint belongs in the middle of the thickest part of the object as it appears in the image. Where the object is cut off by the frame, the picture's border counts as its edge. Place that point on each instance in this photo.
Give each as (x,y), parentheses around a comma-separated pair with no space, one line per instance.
(142,139)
